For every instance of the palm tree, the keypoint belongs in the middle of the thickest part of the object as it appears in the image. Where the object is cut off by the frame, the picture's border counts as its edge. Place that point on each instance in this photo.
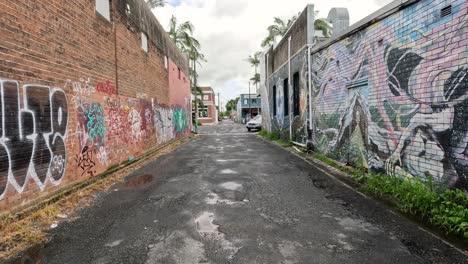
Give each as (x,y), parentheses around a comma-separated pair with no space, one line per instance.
(155,3)
(256,79)
(254,61)
(278,29)
(321,24)
(182,35)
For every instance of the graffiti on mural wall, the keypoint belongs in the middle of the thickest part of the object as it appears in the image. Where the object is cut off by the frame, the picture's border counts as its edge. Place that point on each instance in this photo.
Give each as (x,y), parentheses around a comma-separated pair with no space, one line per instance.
(33,128)
(406,98)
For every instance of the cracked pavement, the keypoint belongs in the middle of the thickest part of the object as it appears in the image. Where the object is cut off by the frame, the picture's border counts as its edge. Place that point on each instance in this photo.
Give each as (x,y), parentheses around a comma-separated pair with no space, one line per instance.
(229,197)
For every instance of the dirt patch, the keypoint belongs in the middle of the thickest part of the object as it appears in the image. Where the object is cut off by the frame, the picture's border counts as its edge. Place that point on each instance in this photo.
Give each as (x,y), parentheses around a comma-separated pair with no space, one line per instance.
(139,180)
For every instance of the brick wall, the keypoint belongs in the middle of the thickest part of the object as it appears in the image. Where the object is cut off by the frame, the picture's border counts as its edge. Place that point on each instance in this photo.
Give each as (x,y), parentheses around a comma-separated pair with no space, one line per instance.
(79,94)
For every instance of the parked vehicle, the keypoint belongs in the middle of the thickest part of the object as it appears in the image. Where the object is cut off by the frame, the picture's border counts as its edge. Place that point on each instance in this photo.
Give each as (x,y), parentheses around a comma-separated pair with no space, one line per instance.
(255,123)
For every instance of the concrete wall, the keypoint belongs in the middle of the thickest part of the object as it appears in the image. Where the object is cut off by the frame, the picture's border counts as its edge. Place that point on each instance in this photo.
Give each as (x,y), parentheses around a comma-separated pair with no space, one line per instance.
(79,94)
(391,95)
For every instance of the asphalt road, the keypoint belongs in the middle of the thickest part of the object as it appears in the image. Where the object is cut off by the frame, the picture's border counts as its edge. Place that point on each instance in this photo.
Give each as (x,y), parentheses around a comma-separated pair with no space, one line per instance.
(230,197)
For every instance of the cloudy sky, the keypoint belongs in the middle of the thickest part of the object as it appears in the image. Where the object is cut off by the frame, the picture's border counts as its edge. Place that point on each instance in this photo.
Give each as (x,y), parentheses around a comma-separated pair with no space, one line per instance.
(230,30)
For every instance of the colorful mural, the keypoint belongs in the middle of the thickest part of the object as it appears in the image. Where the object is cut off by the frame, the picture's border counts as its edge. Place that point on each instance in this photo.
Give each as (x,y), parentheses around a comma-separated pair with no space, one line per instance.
(394,99)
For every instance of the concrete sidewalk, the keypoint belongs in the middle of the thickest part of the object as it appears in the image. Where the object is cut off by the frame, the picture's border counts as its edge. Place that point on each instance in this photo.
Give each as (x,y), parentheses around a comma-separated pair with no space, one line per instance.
(230,197)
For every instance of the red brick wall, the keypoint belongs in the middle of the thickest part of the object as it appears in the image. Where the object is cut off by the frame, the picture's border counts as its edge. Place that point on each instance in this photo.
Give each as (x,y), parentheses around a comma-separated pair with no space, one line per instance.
(78,95)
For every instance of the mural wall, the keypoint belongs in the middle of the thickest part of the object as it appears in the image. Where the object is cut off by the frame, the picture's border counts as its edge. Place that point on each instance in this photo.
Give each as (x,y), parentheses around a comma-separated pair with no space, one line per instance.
(393,97)
(50,135)
(280,121)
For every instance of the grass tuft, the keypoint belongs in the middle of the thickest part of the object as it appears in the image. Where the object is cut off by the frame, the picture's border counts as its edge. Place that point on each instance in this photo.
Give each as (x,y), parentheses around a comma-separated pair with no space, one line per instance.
(275,137)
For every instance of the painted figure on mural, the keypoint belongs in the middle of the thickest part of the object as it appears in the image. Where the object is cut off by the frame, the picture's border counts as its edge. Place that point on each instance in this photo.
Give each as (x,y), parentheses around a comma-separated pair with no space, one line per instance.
(416,110)
(425,147)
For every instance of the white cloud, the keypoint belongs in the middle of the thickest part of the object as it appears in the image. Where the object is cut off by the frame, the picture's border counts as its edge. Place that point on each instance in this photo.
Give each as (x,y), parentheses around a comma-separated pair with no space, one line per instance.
(230,30)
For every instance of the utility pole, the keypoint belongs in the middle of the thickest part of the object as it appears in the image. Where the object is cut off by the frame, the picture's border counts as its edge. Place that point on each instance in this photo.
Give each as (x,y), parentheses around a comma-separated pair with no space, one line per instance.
(250,109)
(196,95)
(219,107)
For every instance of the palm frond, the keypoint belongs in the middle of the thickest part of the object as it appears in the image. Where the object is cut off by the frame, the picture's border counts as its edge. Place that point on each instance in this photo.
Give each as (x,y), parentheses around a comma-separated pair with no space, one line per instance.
(156,3)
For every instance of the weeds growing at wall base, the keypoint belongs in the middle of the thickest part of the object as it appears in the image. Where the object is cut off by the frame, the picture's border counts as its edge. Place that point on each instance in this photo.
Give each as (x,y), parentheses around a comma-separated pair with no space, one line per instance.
(275,136)
(445,209)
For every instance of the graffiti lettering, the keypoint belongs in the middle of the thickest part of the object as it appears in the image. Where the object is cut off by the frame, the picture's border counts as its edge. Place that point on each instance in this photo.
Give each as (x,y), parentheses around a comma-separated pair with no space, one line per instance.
(85,161)
(106,88)
(32,137)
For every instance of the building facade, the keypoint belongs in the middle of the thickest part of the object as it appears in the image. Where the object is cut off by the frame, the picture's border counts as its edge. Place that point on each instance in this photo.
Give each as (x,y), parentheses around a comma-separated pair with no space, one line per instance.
(388,94)
(81,95)
(208,113)
(248,106)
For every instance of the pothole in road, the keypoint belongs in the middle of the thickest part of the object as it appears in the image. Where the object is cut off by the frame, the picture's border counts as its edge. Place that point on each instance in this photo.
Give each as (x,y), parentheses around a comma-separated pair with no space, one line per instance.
(350,224)
(207,229)
(233,186)
(139,180)
(205,226)
(214,199)
(228,171)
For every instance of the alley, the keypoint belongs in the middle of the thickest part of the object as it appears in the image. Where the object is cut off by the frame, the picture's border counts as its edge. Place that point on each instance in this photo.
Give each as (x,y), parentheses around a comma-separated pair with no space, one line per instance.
(227,196)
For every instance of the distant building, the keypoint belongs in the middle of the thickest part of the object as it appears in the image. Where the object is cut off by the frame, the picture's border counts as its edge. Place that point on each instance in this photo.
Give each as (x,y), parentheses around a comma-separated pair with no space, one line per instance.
(208,114)
(244,107)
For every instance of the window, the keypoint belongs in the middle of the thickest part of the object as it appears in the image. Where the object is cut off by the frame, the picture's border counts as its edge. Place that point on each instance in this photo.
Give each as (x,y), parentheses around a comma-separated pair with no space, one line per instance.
(179,72)
(144,42)
(254,101)
(206,97)
(203,111)
(103,8)
(246,102)
(274,100)
(286,96)
(165,62)
(296,93)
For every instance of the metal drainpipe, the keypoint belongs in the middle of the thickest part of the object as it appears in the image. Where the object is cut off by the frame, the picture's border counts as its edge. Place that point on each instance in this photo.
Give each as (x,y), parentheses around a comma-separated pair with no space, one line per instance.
(289,88)
(309,68)
(266,103)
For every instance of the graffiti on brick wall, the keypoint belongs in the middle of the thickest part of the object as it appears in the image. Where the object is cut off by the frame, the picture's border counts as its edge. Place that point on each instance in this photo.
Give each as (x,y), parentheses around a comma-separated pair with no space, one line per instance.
(179,119)
(397,104)
(33,129)
(130,121)
(163,123)
(82,87)
(85,161)
(106,87)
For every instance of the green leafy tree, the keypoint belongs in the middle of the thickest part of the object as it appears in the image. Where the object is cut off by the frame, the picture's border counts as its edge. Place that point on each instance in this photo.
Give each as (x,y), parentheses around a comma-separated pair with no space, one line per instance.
(232,105)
